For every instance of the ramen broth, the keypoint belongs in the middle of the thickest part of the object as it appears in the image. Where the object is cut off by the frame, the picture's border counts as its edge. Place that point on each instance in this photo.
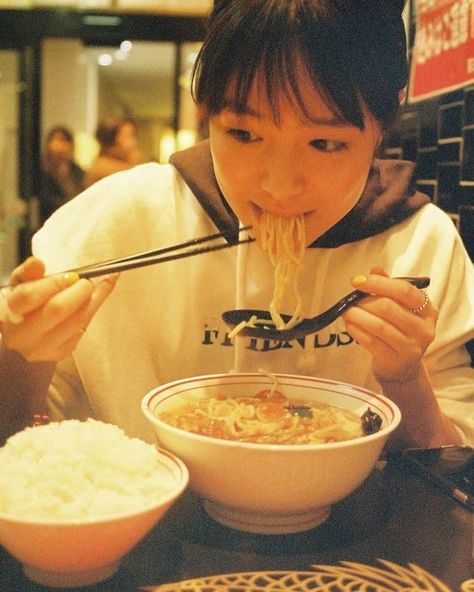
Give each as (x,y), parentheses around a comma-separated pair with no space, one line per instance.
(268,417)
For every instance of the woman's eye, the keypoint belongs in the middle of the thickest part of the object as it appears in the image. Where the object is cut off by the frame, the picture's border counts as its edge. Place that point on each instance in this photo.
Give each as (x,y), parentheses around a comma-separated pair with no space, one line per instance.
(241,135)
(328,145)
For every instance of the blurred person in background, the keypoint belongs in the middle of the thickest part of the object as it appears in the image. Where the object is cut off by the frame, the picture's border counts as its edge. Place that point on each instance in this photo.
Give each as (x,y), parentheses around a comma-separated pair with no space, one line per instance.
(61,177)
(119,149)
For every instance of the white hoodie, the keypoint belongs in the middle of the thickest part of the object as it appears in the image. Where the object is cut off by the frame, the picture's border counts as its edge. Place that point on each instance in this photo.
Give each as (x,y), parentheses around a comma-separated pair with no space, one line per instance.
(164,322)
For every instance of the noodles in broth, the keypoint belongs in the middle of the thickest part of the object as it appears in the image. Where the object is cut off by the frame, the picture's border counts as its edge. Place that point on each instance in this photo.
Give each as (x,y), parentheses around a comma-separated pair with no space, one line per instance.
(268,417)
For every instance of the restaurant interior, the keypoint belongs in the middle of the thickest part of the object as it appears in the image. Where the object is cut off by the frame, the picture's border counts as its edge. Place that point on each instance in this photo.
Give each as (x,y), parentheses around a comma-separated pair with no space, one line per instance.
(73,63)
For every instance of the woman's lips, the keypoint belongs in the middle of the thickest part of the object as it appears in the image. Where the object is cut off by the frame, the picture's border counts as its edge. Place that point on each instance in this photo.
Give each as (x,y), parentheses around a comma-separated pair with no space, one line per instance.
(257,211)
(315,224)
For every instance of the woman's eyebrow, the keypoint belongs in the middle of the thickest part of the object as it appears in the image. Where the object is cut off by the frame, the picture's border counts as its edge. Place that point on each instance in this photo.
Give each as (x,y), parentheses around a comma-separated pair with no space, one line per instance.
(247,111)
(333,121)
(241,111)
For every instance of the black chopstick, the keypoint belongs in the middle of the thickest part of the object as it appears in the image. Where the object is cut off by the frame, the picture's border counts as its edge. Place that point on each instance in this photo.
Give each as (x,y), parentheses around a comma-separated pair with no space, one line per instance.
(154,256)
(133,263)
(162,250)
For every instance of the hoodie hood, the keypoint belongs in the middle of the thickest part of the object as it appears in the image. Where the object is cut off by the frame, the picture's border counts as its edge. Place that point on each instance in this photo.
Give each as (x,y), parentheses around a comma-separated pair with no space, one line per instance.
(389,197)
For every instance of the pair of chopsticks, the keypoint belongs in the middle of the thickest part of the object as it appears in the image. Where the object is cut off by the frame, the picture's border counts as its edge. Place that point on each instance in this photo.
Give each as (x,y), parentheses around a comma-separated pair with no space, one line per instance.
(179,251)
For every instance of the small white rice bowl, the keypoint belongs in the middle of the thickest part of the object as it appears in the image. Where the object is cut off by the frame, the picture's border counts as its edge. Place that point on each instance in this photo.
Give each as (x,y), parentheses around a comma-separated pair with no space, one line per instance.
(75,496)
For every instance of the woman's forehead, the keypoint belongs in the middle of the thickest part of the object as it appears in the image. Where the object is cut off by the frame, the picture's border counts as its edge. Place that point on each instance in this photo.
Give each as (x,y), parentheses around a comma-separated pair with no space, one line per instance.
(306,105)
(275,96)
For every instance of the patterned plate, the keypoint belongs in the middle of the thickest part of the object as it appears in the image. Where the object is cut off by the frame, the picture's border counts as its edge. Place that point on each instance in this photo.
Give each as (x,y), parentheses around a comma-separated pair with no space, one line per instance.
(346,577)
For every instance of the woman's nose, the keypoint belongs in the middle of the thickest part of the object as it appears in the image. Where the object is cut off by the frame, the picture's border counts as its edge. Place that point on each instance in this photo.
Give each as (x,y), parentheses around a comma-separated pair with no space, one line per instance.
(283,178)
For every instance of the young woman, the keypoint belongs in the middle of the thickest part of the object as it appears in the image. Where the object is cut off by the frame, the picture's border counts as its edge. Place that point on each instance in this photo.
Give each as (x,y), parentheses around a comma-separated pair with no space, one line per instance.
(298,96)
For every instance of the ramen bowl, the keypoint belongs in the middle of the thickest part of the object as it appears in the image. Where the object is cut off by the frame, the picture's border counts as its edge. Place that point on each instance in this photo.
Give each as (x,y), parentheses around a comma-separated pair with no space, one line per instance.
(271,488)
(81,550)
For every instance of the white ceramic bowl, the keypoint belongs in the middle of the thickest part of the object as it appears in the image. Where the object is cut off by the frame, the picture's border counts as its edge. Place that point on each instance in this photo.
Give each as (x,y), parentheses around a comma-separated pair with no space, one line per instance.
(272,488)
(73,553)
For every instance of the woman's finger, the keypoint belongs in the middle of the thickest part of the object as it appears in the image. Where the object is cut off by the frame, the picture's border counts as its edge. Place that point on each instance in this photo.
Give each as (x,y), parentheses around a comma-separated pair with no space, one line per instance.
(72,331)
(385,311)
(53,331)
(102,288)
(373,343)
(31,269)
(386,320)
(26,297)
(399,290)
(37,330)
(389,363)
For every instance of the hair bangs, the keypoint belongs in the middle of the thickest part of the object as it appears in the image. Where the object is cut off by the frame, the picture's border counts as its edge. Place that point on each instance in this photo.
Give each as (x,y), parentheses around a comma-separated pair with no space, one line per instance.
(269,43)
(263,54)
(268,52)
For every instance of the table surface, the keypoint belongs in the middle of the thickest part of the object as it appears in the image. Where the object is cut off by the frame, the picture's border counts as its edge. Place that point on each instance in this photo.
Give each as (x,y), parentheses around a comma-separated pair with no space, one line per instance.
(394,516)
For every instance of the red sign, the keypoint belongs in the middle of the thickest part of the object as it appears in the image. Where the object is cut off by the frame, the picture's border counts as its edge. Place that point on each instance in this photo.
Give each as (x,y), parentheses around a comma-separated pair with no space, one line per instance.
(443,52)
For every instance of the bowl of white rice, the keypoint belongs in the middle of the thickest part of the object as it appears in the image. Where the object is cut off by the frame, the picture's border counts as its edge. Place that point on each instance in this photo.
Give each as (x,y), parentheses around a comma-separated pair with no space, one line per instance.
(76,496)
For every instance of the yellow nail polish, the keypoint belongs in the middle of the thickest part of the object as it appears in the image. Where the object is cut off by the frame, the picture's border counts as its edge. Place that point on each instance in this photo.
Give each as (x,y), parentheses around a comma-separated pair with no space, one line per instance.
(71,277)
(359,279)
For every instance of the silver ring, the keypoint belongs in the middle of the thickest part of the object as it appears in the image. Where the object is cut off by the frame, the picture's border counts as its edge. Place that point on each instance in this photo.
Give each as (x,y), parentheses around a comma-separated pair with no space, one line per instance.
(422,307)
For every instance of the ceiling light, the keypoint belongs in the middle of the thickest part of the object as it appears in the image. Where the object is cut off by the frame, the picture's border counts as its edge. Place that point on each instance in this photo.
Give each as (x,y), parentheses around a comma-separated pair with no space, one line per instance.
(105,59)
(126,46)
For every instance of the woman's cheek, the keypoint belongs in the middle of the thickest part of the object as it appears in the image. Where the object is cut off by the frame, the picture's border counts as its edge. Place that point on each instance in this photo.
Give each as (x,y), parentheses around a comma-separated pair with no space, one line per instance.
(234,172)
(349,181)
(230,176)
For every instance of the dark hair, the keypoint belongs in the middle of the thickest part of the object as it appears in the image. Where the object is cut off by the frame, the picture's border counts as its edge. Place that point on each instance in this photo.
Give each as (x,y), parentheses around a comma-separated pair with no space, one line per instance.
(352,50)
(61,130)
(108,128)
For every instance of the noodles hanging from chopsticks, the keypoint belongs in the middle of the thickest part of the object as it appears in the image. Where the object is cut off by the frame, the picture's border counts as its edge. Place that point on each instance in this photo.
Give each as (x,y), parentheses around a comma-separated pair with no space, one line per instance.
(284,241)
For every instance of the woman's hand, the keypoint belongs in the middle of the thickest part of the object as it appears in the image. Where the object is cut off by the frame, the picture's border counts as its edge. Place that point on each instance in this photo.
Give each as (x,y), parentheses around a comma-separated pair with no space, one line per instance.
(395,325)
(386,325)
(46,316)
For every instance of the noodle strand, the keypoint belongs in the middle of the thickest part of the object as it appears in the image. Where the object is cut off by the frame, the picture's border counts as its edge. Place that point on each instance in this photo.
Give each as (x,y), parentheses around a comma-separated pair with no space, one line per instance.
(284,241)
